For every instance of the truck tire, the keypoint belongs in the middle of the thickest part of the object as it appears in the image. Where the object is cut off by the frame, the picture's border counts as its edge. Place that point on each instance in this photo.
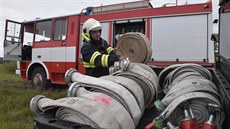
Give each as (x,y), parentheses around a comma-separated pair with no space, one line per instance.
(39,79)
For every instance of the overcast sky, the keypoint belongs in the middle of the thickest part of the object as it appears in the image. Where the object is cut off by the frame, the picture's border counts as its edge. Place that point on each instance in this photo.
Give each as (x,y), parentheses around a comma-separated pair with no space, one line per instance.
(20,10)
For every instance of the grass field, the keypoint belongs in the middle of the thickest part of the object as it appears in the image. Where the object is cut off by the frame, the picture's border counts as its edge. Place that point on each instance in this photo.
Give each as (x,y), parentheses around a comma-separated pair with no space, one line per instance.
(15,96)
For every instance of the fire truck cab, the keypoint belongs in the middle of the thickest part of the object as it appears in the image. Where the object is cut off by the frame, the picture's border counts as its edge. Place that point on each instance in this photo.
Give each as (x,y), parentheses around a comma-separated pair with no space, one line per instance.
(46,48)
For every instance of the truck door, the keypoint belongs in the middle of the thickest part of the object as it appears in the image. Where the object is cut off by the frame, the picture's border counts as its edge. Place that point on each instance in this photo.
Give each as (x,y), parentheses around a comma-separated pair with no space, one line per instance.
(13,40)
(59,45)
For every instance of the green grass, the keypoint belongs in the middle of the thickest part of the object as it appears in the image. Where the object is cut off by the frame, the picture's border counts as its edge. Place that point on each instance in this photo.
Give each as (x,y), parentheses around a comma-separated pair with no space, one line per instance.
(15,96)
(7,71)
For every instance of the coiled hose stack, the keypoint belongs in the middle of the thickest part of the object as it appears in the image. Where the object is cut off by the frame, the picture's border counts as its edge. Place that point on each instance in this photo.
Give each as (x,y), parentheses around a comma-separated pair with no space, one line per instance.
(191,83)
(116,101)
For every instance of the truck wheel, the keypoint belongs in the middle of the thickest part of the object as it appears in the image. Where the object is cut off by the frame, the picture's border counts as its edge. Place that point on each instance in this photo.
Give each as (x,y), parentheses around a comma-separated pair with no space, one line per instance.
(39,79)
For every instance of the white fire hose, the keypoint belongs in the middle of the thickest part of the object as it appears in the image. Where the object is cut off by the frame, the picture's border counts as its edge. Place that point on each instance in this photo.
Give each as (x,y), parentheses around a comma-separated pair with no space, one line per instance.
(182,68)
(199,102)
(188,82)
(127,91)
(114,107)
(110,88)
(147,80)
(77,109)
(135,46)
(131,86)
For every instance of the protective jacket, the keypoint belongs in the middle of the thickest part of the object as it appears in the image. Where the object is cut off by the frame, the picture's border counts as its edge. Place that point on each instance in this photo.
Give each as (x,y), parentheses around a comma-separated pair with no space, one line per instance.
(97,56)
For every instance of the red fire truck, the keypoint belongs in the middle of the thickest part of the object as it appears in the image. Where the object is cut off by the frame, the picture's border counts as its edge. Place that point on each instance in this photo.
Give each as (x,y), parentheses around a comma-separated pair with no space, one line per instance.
(46,48)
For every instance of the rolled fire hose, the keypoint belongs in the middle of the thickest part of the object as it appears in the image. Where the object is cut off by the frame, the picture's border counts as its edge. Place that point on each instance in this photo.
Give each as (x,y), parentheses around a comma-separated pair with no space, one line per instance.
(114,107)
(135,46)
(178,70)
(77,109)
(189,82)
(110,88)
(147,68)
(192,84)
(199,101)
(146,80)
(188,86)
(131,86)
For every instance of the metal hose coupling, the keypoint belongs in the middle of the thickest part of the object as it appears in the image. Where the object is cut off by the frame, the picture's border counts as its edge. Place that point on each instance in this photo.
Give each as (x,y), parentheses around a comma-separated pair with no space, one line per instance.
(34,104)
(71,92)
(125,64)
(68,75)
(115,67)
(120,65)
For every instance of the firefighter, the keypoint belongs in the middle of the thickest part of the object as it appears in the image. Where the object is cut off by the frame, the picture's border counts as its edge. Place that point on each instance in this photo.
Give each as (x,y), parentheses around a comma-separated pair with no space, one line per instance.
(97,54)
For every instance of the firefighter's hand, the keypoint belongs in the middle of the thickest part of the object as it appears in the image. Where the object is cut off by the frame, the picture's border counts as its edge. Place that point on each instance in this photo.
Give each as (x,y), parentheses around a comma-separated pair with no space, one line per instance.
(121,58)
(114,49)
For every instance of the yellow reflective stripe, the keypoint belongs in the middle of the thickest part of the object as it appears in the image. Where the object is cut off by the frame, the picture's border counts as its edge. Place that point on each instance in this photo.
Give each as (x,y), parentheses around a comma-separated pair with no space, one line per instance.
(109,49)
(85,37)
(88,65)
(107,61)
(93,57)
(104,60)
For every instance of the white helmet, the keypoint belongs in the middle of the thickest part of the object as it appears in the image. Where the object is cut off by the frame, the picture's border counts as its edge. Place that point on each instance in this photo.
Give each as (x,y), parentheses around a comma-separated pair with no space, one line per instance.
(89,25)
